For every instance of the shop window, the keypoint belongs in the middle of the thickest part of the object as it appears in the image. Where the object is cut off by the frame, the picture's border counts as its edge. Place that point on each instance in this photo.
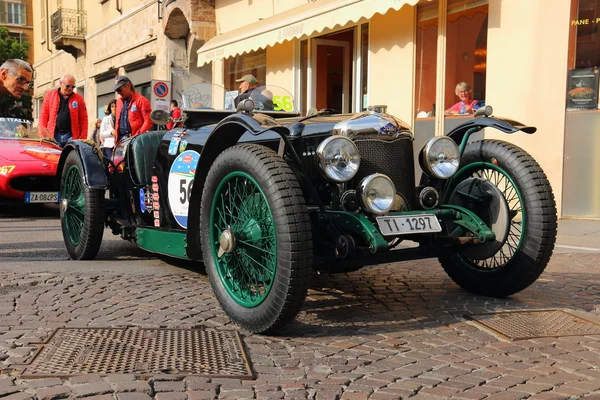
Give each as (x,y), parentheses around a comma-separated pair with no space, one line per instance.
(254,62)
(426,59)
(144,90)
(584,55)
(466,53)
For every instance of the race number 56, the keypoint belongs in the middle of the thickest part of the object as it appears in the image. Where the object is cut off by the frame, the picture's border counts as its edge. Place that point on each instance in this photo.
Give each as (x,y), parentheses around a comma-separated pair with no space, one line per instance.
(185,190)
(282,103)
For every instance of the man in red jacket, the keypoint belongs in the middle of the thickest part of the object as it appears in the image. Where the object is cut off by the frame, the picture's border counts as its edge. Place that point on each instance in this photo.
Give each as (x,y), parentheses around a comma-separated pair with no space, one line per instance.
(133,110)
(175,115)
(64,114)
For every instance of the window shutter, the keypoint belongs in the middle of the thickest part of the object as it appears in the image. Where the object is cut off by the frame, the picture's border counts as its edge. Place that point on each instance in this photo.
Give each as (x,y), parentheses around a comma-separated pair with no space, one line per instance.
(23,16)
(43,24)
(3,8)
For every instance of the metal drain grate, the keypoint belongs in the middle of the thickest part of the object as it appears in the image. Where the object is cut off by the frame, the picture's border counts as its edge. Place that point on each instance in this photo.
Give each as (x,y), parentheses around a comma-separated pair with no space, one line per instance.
(203,352)
(521,325)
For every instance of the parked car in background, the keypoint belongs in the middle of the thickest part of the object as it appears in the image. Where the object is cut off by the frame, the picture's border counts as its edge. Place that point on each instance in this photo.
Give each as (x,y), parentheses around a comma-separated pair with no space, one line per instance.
(28,162)
(262,195)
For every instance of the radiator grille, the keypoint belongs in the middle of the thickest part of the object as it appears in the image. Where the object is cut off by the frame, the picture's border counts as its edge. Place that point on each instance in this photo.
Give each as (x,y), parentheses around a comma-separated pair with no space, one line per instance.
(393,158)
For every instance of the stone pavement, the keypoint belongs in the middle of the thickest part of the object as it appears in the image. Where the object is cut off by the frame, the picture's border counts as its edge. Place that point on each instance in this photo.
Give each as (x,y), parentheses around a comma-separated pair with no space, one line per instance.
(386,332)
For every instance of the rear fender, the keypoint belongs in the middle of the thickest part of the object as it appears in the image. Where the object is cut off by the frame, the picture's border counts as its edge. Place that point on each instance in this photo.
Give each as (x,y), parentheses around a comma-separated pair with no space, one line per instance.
(94,175)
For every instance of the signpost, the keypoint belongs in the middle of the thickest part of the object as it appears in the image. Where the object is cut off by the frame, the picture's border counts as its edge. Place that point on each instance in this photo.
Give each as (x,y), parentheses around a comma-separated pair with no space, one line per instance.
(161,95)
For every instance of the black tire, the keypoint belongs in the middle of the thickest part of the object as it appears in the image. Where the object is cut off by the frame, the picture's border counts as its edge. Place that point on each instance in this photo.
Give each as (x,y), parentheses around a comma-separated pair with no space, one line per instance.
(288,218)
(81,211)
(530,254)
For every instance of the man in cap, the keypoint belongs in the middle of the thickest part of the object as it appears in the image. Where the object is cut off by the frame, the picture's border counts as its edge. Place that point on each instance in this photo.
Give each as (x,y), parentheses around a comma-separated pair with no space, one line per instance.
(64,114)
(247,86)
(15,78)
(133,110)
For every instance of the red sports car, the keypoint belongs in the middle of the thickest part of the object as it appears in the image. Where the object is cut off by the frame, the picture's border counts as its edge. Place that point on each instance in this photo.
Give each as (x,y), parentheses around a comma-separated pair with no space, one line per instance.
(28,163)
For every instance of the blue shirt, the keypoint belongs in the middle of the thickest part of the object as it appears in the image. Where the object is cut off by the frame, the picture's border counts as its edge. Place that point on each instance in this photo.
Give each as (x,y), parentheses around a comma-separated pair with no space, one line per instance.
(124,126)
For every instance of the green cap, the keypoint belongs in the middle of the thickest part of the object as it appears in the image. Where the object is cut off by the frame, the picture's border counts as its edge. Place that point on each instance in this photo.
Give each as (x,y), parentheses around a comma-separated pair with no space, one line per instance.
(248,78)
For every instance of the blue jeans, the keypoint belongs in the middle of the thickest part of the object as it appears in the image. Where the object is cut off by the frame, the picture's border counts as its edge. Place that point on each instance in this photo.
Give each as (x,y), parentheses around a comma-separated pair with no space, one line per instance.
(62,138)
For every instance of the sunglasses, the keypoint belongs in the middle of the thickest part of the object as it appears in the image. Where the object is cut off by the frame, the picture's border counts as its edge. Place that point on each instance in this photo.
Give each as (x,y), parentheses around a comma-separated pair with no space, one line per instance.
(69,86)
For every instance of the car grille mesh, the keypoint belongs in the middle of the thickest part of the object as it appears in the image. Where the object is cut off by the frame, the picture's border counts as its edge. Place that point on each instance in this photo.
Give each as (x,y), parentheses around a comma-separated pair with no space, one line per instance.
(393,158)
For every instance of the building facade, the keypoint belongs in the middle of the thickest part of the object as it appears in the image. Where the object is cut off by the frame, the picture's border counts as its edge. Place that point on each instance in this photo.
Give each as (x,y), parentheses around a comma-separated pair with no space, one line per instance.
(528,59)
(17,17)
(95,41)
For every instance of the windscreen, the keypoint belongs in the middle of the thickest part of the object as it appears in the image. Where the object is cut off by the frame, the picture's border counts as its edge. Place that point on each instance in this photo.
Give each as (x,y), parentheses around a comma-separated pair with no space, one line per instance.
(208,96)
(272,98)
(17,128)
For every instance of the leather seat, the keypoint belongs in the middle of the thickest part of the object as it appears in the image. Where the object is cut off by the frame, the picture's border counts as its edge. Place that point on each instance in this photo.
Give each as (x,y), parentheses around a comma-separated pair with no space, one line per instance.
(142,152)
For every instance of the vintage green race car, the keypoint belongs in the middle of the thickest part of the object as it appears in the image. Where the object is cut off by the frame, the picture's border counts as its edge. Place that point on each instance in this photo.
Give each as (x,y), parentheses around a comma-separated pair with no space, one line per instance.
(264,196)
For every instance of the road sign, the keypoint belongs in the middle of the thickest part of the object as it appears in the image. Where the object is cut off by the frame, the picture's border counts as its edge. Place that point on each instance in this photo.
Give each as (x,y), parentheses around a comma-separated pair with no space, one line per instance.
(160,95)
(161,89)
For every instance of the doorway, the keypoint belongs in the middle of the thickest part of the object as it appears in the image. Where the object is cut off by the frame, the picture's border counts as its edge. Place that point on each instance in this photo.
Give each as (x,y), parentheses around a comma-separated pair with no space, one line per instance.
(331,71)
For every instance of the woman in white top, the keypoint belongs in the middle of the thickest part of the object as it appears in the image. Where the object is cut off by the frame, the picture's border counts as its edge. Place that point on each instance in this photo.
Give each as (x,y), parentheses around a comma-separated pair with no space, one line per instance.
(107,140)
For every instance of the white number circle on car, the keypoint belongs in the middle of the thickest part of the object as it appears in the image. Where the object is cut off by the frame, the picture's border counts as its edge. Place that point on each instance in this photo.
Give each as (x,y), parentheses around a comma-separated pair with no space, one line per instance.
(181,180)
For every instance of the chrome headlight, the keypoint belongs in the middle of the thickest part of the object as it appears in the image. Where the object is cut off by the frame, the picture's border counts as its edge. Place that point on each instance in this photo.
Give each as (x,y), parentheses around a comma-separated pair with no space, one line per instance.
(440,157)
(377,193)
(339,158)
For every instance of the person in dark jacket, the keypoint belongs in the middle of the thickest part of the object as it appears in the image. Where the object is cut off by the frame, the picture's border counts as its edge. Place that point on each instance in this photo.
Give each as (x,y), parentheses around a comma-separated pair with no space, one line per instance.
(133,110)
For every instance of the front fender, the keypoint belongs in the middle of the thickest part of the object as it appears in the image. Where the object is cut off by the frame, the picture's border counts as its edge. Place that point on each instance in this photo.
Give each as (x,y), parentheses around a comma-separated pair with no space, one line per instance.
(226,134)
(502,124)
(94,175)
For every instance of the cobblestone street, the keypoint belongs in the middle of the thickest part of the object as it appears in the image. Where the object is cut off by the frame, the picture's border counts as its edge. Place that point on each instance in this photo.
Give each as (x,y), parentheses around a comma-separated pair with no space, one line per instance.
(386,332)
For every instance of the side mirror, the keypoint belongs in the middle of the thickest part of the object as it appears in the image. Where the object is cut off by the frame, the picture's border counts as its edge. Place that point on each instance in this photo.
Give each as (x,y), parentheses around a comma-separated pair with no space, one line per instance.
(486,111)
(160,117)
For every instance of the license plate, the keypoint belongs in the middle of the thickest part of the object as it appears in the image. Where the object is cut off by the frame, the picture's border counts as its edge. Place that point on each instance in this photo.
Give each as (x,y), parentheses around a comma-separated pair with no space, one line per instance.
(42,197)
(400,225)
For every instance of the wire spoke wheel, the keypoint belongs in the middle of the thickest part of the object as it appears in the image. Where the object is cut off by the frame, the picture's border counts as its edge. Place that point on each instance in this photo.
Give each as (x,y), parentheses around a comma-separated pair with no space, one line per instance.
(75,200)
(512,196)
(240,209)
(81,211)
(509,191)
(256,237)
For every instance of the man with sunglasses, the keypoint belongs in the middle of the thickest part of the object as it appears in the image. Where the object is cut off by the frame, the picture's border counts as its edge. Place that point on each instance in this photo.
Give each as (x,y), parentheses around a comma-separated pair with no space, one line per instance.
(133,110)
(64,113)
(15,78)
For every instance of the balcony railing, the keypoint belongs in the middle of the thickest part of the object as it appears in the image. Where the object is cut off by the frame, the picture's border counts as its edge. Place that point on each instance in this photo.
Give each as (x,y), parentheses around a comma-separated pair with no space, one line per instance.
(68,29)
(70,23)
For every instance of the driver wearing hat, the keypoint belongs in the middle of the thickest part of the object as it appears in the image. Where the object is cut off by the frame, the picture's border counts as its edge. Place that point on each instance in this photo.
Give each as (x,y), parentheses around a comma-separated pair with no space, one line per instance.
(247,85)
(133,110)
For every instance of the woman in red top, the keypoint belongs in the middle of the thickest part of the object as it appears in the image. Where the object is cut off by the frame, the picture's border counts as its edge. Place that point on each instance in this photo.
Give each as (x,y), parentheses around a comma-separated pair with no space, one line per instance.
(466,105)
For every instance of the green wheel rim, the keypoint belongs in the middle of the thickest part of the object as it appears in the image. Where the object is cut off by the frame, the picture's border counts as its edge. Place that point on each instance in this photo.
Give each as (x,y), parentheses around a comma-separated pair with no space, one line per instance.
(502,180)
(240,209)
(74,213)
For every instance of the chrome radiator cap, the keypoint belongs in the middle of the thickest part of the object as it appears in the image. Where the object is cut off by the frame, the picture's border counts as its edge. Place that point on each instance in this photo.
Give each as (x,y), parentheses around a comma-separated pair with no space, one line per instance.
(375,122)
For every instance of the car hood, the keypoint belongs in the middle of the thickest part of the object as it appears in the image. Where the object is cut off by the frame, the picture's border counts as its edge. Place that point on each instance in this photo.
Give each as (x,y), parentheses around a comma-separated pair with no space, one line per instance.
(22,150)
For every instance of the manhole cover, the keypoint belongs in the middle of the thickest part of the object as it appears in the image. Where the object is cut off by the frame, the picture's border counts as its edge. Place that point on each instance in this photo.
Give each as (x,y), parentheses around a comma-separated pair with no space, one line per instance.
(521,325)
(204,352)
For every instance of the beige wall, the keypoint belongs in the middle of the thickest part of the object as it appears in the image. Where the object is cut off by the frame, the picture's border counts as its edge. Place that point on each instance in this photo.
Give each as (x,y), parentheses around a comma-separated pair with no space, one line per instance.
(233,14)
(113,41)
(526,76)
(280,71)
(391,61)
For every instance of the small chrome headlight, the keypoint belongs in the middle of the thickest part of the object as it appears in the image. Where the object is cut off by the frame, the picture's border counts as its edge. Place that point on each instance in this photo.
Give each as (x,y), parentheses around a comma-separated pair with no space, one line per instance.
(377,193)
(440,157)
(339,158)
